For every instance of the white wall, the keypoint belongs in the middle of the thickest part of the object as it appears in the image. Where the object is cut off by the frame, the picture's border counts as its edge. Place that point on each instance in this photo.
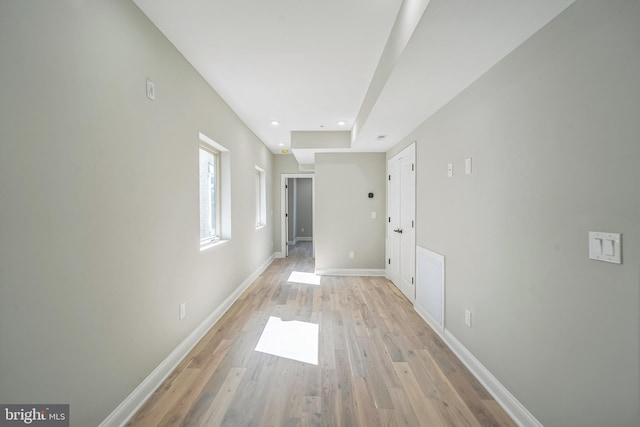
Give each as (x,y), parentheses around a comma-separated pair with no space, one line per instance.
(553,131)
(343,211)
(99,203)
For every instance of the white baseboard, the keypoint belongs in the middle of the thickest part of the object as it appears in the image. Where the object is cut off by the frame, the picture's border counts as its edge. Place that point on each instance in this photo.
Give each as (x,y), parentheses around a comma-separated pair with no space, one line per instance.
(139,396)
(509,403)
(278,255)
(292,242)
(349,272)
(305,239)
(437,328)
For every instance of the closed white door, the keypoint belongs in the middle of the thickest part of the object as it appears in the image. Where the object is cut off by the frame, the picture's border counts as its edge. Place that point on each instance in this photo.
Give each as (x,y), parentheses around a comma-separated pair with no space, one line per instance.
(401,236)
(393,222)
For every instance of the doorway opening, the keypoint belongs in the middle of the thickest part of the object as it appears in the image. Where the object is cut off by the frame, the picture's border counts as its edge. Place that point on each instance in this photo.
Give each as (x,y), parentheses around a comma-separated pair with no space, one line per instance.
(298,210)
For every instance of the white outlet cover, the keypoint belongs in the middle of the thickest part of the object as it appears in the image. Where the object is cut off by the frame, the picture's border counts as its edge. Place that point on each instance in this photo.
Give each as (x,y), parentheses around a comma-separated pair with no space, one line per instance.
(449,170)
(467,166)
(151,90)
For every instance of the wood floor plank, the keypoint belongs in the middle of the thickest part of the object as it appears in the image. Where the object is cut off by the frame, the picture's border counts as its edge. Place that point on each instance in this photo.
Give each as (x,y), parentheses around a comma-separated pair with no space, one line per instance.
(379,364)
(221,402)
(365,408)
(426,412)
(499,416)
(404,415)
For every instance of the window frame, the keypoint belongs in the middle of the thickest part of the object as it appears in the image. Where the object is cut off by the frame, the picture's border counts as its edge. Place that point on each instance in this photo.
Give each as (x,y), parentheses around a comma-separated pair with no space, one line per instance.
(216,237)
(260,197)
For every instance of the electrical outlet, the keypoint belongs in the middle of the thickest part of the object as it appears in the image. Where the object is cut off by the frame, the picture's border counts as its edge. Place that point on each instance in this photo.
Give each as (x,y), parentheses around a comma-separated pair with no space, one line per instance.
(151,90)
(183,310)
(467,317)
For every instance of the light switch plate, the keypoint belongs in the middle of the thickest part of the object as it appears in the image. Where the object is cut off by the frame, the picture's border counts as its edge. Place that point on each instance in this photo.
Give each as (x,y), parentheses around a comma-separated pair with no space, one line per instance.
(450,170)
(467,166)
(605,246)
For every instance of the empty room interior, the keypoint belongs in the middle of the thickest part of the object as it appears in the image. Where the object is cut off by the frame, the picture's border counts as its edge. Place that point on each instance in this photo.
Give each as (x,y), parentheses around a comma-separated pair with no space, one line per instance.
(399,212)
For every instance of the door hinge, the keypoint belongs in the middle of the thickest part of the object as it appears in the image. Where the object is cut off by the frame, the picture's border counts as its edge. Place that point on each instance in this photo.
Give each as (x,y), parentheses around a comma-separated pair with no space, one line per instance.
(389,219)
(412,165)
(412,280)
(389,177)
(286,186)
(411,223)
(286,215)
(389,261)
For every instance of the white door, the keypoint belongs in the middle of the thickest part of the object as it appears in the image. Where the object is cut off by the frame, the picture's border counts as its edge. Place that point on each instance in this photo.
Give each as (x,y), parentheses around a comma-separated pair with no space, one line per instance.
(401,231)
(393,222)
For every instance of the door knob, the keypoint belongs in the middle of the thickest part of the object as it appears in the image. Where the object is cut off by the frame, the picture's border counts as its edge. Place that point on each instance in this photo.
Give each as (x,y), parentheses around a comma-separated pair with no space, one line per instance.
(398,231)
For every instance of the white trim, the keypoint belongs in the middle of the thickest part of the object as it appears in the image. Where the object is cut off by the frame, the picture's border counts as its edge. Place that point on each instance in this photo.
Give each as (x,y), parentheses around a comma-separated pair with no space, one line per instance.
(127,409)
(278,255)
(350,272)
(509,403)
(304,239)
(292,242)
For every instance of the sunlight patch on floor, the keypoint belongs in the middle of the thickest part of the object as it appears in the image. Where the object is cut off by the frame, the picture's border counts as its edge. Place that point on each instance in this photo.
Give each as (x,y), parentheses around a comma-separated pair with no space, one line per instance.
(290,339)
(306,278)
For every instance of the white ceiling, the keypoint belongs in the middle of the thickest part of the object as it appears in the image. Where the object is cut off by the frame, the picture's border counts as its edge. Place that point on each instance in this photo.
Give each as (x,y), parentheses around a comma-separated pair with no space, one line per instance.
(309,64)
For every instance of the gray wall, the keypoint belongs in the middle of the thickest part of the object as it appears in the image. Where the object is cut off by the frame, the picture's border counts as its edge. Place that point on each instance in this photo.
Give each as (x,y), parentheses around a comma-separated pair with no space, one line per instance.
(553,131)
(304,216)
(343,210)
(99,203)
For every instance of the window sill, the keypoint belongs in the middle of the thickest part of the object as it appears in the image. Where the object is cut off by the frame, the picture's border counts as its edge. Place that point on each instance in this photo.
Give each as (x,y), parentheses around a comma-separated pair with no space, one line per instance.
(208,245)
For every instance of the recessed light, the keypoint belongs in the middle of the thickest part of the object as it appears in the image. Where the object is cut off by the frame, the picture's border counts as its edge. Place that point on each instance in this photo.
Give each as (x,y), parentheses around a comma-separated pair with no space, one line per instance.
(285,151)
(281,144)
(342,123)
(381,137)
(275,123)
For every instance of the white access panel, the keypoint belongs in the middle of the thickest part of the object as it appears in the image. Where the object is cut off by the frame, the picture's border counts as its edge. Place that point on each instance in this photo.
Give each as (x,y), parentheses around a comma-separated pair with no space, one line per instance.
(605,246)
(430,287)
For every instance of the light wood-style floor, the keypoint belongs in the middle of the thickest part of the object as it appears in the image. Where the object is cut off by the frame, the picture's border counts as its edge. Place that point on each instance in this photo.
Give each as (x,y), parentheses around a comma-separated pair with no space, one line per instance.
(379,363)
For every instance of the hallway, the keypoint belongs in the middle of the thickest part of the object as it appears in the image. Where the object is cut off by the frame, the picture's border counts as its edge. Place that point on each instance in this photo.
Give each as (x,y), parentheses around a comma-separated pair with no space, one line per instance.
(378,362)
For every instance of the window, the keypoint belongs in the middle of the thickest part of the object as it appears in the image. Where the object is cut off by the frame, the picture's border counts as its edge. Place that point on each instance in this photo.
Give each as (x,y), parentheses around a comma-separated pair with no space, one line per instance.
(215,192)
(261,197)
(209,195)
